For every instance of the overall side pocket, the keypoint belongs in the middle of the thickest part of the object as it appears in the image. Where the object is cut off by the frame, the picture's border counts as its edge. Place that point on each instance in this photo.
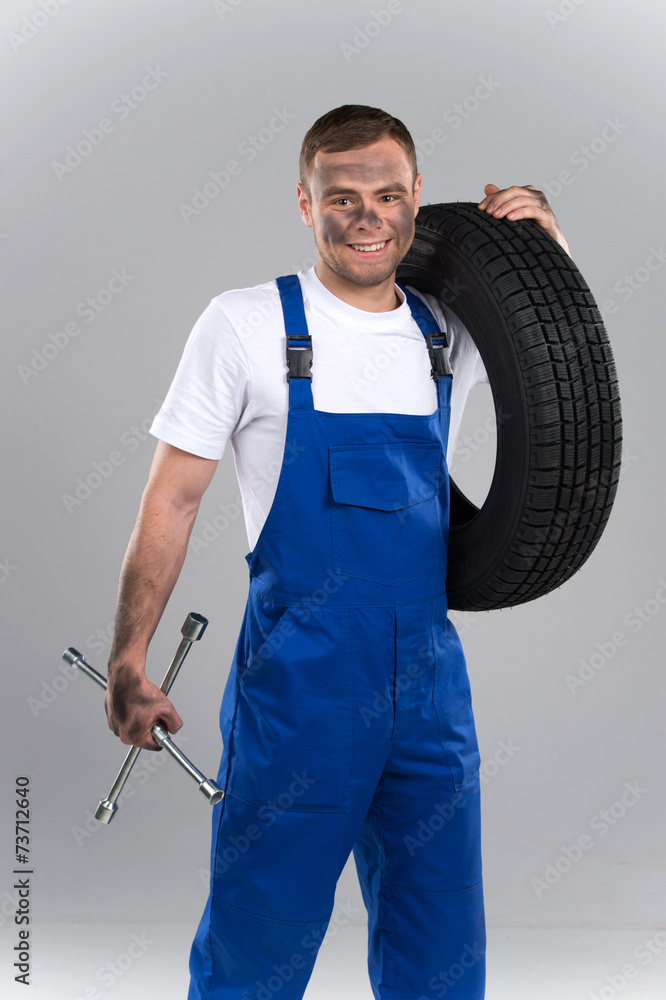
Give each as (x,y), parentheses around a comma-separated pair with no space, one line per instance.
(453,702)
(292,738)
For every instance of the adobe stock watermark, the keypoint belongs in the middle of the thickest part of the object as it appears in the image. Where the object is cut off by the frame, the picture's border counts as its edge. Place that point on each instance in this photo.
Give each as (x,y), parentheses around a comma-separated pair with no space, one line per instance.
(457,115)
(645,952)
(224,7)
(628,460)
(443,812)
(99,641)
(601,823)
(382,701)
(147,764)
(88,310)
(364,33)
(212,528)
(301,610)
(506,751)
(306,263)
(463,621)
(632,282)
(267,309)
(10,906)
(342,914)
(472,443)
(374,367)
(445,979)
(122,107)
(585,155)
(102,470)
(7,569)
(60,682)
(230,851)
(635,621)
(563,12)
(107,975)
(33,24)
(247,151)
(51,690)
(311,942)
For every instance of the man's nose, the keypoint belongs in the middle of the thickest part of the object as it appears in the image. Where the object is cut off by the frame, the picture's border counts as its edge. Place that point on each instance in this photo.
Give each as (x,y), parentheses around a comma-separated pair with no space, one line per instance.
(368,217)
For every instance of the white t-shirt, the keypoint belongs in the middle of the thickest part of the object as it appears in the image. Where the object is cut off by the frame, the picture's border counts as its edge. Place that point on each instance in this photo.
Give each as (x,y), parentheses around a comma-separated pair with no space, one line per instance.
(231,380)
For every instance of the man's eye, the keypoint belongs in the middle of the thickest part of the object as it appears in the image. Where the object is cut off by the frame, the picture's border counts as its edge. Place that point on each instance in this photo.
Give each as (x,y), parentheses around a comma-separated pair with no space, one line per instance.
(388,197)
(339,201)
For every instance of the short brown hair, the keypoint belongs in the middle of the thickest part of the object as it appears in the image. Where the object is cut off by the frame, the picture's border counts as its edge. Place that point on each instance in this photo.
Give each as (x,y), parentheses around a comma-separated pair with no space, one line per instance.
(349,127)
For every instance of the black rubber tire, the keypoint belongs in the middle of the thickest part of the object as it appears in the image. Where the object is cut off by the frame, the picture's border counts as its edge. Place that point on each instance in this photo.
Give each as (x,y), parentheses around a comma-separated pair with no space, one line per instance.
(554,385)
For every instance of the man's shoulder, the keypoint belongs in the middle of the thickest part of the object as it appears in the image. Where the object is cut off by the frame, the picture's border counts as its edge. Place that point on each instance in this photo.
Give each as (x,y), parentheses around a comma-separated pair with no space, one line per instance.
(235,298)
(253,307)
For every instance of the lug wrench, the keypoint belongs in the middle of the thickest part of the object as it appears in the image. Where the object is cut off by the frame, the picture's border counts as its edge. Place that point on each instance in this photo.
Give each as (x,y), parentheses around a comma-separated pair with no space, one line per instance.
(193,629)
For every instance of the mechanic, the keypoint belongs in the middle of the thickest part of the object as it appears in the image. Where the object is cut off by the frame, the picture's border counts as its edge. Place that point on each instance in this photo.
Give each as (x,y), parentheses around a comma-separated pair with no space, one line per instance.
(346,718)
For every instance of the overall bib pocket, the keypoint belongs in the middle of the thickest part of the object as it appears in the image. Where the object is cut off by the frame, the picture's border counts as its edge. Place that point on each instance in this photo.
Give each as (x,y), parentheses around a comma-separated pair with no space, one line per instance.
(385,512)
(292,733)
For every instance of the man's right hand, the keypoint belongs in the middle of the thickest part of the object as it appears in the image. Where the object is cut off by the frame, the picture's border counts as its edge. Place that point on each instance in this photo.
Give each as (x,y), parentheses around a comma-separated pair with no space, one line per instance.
(134,705)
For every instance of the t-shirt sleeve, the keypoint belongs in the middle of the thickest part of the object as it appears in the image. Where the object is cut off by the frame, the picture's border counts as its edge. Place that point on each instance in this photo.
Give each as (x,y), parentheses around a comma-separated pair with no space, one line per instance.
(210,392)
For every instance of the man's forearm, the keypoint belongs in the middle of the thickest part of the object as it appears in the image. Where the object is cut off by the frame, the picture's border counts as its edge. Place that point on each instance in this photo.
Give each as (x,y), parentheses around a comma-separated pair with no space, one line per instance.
(150,569)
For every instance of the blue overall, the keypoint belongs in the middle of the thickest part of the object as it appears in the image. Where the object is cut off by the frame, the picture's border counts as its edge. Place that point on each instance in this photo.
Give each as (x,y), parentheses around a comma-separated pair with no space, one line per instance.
(346,718)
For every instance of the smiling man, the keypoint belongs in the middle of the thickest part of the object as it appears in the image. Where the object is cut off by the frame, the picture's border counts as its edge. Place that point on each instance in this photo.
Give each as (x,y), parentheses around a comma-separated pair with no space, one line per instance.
(346,718)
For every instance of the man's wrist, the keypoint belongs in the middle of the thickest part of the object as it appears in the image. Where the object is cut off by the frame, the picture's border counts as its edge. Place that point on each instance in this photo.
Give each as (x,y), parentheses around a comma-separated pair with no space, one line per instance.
(130,663)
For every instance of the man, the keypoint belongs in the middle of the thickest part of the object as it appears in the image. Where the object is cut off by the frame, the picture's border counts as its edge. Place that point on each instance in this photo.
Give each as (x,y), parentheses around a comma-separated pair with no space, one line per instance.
(346,717)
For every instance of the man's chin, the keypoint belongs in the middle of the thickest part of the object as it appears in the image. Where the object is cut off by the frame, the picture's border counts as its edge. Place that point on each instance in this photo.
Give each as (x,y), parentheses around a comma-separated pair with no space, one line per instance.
(367,273)
(368,280)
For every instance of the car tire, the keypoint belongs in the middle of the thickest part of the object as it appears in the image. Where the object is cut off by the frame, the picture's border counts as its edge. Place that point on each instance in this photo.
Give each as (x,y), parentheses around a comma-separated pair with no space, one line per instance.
(552,375)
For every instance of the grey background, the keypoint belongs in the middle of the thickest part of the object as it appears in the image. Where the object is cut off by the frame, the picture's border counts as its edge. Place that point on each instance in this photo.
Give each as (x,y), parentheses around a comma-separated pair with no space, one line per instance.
(557,79)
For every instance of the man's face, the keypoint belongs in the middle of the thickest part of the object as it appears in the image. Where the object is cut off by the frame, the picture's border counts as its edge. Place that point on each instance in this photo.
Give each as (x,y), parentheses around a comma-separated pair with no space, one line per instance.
(361,199)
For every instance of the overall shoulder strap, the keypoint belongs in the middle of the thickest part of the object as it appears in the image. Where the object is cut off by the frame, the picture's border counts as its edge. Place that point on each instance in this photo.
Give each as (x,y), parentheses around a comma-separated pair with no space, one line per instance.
(299,342)
(420,311)
(438,345)
(291,296)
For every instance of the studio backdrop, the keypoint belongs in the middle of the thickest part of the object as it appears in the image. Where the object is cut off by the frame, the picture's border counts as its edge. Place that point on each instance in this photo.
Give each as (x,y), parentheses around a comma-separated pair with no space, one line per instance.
(150,160)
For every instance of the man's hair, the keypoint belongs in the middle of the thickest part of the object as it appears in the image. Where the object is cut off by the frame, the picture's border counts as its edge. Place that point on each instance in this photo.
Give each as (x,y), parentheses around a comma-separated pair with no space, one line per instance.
(352,126)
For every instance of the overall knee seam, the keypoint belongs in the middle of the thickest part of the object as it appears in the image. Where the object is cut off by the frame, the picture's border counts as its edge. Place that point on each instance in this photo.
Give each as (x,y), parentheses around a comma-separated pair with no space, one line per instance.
(270,920)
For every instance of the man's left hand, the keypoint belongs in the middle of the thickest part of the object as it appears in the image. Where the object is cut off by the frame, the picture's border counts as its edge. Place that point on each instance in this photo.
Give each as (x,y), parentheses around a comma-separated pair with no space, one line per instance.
(523,203)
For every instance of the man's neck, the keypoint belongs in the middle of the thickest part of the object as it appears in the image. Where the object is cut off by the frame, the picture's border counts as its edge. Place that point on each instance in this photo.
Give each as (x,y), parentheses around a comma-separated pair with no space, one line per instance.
(372,298)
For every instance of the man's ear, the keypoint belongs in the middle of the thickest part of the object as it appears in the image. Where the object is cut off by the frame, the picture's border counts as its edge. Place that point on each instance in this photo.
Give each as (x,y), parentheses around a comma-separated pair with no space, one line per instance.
(417,193)
(303,205)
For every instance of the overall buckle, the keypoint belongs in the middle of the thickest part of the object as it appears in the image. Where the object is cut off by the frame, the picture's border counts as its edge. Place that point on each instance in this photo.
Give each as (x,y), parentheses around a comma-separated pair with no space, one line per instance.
(438,349)
(299,359)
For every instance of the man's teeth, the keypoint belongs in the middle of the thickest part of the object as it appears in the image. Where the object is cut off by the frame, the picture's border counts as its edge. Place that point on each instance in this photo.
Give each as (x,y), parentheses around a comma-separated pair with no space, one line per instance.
(373,246)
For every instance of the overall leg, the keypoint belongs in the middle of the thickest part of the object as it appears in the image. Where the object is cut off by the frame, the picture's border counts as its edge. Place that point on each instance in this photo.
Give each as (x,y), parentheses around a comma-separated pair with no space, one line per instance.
(292,809)
(418,854)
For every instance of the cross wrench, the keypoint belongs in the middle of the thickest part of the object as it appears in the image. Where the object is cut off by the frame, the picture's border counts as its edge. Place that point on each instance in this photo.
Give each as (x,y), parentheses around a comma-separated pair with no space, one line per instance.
(193,629)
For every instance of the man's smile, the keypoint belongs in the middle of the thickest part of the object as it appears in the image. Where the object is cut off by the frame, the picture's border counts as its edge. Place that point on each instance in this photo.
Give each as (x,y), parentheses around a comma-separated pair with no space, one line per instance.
(375,249)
